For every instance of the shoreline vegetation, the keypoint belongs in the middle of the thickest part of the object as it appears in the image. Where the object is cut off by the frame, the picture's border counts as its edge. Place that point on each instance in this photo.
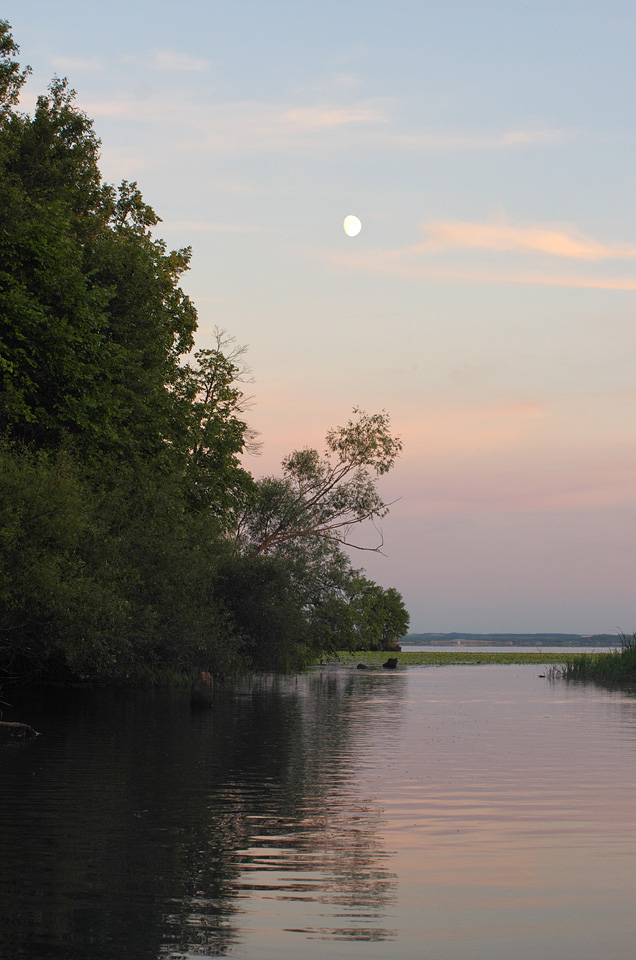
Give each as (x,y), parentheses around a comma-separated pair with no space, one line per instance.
(135,544)
(443,658)
(615,668)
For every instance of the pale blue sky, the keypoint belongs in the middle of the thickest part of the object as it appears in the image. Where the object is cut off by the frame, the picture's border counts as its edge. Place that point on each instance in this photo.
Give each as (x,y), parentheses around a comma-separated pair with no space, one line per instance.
(488,303)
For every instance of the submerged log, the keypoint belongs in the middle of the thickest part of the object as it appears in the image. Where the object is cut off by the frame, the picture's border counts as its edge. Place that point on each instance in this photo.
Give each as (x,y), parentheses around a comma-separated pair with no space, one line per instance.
(201,691)
(16,731)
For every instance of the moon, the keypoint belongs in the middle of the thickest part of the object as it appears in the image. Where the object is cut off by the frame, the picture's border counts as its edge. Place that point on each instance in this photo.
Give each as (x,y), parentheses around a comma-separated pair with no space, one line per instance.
(352,226)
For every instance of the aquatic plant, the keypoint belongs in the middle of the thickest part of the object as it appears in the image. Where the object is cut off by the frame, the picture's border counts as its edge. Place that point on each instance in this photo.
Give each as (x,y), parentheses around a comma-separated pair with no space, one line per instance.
(617,666)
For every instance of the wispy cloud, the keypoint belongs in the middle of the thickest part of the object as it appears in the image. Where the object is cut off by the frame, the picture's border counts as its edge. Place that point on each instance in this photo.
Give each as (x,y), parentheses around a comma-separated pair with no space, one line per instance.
(450,141)
(387,263)
(568,488)
(249,125)
(481,428)
(171,60)
(518,456)
(319,118)
(206,227)
(77,64)
(502,236)
(346,80)
(240,127)
(436,258)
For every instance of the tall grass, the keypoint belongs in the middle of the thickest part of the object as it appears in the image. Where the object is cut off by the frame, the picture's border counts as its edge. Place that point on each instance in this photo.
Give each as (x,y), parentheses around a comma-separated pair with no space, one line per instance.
(614,667)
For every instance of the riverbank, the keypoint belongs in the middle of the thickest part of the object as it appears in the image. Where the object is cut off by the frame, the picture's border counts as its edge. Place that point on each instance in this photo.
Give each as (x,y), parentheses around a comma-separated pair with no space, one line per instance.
(442,658)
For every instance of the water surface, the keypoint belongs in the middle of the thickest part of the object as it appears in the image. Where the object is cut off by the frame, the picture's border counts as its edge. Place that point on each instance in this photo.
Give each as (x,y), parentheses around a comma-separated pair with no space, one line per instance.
(454,813)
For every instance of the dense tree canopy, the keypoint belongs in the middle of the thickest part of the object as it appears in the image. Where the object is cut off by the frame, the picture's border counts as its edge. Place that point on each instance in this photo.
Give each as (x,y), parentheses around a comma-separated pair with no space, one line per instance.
(133,540)
(94,322)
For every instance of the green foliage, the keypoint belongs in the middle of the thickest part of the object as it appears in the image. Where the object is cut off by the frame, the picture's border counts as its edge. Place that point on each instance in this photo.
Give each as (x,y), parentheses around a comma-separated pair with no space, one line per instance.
(11,77)
(108,564)
(133,543)
(267,612)
(305,517)
(213,432)
(93,319)
(324,496)
(105,581)
(380,616)
(55,610)
(614,667)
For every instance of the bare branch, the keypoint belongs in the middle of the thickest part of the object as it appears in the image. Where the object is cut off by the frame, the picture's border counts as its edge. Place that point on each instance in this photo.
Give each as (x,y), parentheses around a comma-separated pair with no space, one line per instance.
(324,497)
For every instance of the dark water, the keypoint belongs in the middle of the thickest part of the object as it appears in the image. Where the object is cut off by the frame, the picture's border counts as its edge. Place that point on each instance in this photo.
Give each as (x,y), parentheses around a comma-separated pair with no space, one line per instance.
(458,813)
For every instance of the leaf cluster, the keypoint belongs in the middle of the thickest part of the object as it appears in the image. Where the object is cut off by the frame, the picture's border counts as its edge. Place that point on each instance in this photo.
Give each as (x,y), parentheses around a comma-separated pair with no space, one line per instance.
(325,496)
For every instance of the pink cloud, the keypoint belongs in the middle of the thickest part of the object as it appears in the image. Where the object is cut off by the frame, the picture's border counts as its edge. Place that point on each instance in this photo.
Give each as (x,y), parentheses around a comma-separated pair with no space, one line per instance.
(430,259)
(512,458)
(506,237)
(478,140)
(502,489)
(392,263)
(471,429)
(319,118)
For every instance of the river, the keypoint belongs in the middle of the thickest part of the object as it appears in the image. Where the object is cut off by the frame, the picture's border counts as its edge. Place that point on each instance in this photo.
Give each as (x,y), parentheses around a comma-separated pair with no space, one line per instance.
(431,813)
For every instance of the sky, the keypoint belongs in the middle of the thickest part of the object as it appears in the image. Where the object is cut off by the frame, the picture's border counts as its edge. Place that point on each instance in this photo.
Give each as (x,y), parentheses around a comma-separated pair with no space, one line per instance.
(488,302)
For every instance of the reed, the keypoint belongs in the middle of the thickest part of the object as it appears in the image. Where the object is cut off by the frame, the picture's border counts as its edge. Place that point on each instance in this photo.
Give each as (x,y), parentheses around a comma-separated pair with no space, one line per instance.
(617,666)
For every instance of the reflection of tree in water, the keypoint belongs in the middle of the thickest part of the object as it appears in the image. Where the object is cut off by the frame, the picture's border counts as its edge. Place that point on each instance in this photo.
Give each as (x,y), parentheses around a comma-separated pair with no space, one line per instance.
(139,829)
(323,851)
(301,835)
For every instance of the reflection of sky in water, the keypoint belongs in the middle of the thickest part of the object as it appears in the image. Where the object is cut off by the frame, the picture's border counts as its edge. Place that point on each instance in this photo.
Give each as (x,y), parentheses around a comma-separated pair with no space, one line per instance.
(502,804)
(459,813)
(510,806)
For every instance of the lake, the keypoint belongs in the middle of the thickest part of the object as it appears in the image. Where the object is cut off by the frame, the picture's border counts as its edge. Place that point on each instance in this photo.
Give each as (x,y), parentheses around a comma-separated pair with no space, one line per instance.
(503,648)
(432,813)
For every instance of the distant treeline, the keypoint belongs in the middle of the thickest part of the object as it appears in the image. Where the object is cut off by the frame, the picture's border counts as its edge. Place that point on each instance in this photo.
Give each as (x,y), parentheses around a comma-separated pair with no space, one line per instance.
(518,639)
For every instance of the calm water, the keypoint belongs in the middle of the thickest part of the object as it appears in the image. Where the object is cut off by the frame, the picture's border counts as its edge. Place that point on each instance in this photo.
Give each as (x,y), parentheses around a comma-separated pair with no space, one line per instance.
(456,813)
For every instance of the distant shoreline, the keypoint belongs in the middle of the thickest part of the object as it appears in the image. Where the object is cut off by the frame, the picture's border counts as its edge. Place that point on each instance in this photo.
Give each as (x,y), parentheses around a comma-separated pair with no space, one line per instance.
(512,639)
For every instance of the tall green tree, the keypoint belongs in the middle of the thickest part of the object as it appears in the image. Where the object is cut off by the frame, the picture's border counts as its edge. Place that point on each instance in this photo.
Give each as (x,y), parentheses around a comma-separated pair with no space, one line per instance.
(94,322)
(307,516)
(379,616)
(116,472)
(213,432)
